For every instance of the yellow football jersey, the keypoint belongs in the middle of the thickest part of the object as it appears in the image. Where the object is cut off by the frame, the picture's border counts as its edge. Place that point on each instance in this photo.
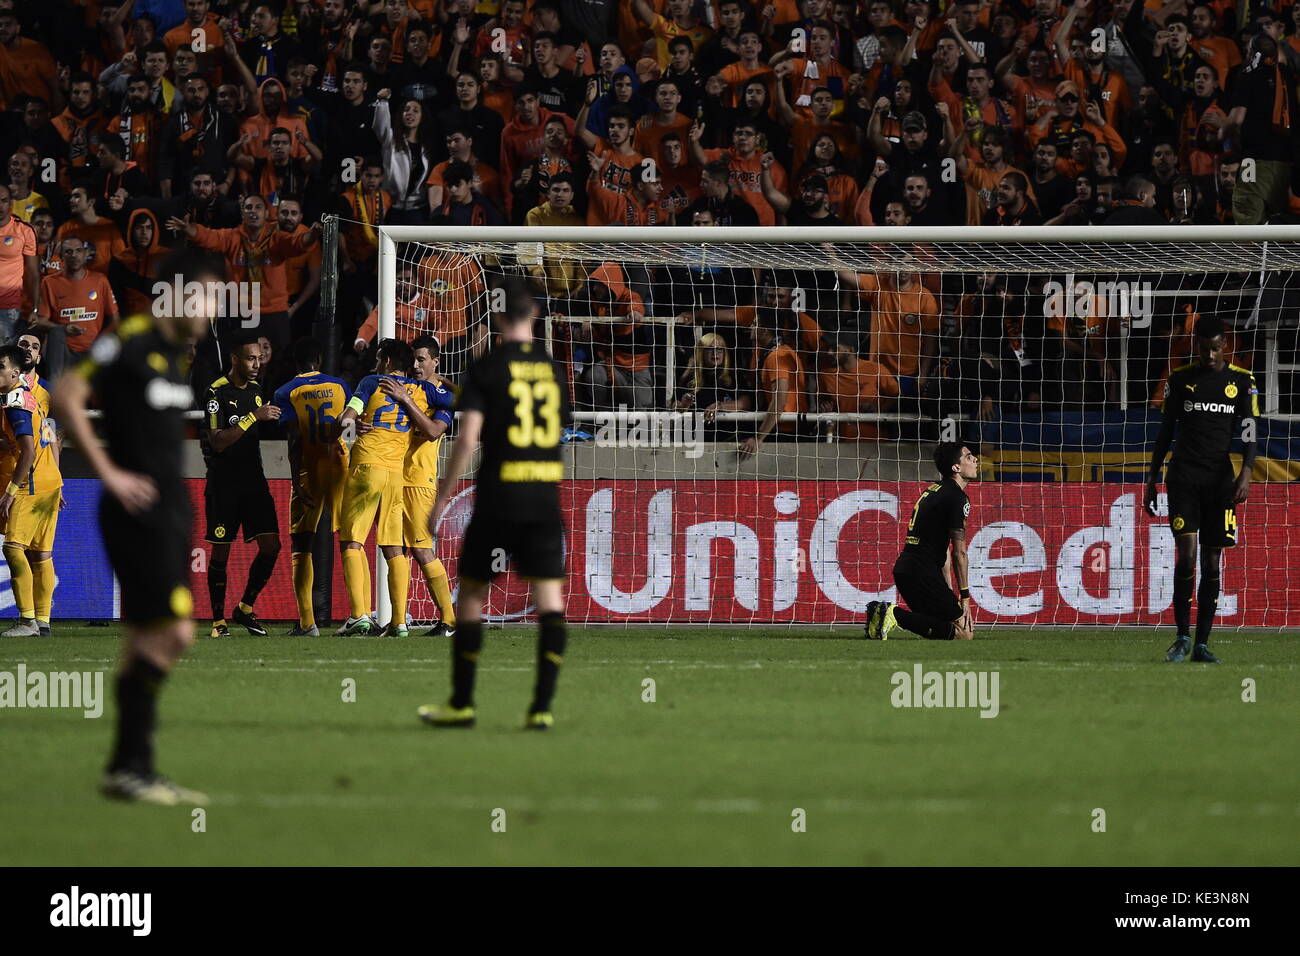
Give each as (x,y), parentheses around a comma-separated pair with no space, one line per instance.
(386,446)
(310,403)
(420,470)
(25,415)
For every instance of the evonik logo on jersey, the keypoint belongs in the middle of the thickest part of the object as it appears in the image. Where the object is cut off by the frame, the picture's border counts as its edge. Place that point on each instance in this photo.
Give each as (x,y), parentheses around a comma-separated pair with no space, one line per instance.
(1209,407)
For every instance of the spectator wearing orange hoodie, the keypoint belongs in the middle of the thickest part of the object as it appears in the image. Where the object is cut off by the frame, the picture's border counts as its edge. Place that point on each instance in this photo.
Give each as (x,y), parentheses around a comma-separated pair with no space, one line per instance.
(523,139)
(272,114)
(255,253)
(81,125)
(134,270)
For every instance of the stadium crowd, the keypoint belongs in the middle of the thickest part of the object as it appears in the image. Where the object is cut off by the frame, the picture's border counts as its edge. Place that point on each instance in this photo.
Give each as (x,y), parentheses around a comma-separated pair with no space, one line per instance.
(235,125)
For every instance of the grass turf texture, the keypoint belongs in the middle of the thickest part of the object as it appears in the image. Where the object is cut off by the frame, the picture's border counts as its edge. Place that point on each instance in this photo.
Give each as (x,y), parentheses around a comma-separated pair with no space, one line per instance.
(746,727)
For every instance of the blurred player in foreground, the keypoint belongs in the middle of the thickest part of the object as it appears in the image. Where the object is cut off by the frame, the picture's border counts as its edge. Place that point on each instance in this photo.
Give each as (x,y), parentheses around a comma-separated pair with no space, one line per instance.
(139,379)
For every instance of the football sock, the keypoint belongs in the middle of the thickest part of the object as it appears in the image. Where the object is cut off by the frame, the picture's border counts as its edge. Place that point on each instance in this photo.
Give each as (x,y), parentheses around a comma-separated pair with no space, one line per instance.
(551,638)
(138,685)
(356,575)
(217,589)
(1184,579)
(435,576)
(259,572)
(303,580)
(399,585)
(1207,603)
(921,625)
(465,647)
(43,588)
(20,577)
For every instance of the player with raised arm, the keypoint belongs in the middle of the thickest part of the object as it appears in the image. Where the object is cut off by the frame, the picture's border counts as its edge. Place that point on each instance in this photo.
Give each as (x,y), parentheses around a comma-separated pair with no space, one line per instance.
(139,376)
(236,493)
(936,542)
(384,406)
(1203,402)
(310,404)
(514,400)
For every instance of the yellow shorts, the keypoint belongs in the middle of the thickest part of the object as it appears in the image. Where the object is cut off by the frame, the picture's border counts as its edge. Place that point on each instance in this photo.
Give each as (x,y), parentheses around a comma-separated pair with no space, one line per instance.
(33,520)
(322,485)
(417,505)
(372,490)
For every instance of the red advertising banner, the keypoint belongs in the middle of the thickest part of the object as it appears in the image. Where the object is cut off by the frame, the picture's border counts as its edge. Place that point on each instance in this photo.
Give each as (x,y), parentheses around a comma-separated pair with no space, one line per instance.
(741,552)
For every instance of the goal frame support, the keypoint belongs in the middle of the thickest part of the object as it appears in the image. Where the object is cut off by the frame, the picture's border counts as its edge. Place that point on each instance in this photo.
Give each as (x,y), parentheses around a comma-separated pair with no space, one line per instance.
(391,237)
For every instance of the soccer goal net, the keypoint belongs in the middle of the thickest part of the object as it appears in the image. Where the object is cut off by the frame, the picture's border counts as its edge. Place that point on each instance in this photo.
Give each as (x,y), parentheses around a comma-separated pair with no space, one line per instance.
(755,411)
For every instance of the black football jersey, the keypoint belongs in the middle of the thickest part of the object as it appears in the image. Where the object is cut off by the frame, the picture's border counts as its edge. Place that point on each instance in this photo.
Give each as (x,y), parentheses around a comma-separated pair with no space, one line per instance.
(140,382)
(942,509)
(522,394)
(224,405)
(1206,406)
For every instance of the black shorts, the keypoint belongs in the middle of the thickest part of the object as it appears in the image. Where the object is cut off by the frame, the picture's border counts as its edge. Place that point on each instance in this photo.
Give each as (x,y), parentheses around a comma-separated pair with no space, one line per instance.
(535,548)
(1204,509)
(923,589)
(150,555)
(238,501)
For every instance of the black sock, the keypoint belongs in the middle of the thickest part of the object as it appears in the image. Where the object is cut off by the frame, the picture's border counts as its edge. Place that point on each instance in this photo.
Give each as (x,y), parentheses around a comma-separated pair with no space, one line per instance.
(932,629)
(137,705)
(217,589)
(259,572)
(551,638)
(1184,580)
(1207,603)
(465,647)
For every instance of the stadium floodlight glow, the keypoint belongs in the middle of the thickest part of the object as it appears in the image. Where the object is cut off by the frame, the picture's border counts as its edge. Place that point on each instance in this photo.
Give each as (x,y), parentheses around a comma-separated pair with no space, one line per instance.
(1046,347)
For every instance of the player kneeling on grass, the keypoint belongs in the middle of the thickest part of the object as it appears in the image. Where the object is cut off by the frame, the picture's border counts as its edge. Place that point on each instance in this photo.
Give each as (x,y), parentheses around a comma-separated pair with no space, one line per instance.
(139,377)
(921,571)
(515,400)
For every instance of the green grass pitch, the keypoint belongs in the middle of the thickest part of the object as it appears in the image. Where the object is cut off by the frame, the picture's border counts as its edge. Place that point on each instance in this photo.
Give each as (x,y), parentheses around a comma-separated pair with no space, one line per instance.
(746,727)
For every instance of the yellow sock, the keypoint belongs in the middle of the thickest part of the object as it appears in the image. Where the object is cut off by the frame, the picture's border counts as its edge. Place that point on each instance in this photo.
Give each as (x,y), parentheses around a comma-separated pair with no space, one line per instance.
(20,579)
(302,588)
(399,584)
(42,588)
(356,575)
(435,575)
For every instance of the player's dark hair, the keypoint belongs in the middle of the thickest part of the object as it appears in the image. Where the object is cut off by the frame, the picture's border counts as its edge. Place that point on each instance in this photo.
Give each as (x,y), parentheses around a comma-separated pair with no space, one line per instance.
(400,356)
(14,354)
(1208,327)
(241,339)
(427,342)
(564,177)
(946,455)
(114,145)
(307,354)
(680,41)
(37,334)
(519,299)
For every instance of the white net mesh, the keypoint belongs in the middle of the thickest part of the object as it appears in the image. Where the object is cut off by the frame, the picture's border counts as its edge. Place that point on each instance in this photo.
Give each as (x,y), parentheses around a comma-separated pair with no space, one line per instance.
(851,359)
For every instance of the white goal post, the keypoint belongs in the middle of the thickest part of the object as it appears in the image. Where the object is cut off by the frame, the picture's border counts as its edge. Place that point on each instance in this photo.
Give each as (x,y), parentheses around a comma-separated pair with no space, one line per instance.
(1043,347)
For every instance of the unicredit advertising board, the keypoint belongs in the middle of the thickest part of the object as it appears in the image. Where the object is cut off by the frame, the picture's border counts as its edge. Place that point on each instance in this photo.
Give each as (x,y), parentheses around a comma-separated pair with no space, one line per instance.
(649,551)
